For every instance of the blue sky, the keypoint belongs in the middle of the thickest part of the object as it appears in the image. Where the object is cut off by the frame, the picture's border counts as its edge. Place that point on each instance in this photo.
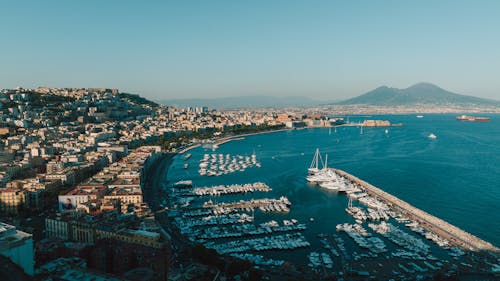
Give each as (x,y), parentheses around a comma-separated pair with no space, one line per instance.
(192,49)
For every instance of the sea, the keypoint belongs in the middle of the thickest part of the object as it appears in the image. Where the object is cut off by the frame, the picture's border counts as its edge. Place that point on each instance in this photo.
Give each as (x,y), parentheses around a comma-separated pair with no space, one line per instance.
(455,176)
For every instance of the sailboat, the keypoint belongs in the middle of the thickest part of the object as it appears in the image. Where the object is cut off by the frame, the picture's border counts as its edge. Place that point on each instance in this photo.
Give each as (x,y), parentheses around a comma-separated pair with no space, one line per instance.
(314,167)
(317,176)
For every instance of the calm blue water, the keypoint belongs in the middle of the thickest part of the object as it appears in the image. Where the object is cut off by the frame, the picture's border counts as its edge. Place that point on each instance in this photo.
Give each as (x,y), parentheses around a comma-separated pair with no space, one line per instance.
(455,177)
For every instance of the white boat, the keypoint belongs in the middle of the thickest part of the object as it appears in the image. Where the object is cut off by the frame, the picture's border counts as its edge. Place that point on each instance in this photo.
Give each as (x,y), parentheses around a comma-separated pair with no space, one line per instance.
(420,116)
(319,178)
(432,136)
(330,185)
(386,131)
(314,167)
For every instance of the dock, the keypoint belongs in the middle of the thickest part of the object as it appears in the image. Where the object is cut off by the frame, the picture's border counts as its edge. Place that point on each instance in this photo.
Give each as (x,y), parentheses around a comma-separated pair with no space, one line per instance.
(427,221)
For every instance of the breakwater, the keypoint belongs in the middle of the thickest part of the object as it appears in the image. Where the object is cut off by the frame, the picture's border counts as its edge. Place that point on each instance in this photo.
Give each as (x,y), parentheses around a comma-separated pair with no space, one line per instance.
(427,221)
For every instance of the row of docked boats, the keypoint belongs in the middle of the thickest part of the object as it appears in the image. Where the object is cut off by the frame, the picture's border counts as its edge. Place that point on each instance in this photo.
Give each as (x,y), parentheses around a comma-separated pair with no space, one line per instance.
(320,260)
(274,242)
(265,204)
(230,227)
(231,189)
(441,242)
(363,238)
(220,164)
(258,259)
(240,230)
(399,237)
(327,178)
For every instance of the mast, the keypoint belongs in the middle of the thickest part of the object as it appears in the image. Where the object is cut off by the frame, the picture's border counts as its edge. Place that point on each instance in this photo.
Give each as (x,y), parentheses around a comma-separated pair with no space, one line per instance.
(314,163)
(326,162)
(317,160)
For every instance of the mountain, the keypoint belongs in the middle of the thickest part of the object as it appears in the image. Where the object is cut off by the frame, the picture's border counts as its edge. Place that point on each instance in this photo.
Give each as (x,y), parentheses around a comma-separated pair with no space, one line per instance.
(421,93)
(244,102)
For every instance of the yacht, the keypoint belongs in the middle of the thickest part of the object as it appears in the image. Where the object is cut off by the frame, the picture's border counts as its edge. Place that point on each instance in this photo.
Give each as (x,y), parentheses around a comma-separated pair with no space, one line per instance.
(330,185)
(432,136)
(314,167)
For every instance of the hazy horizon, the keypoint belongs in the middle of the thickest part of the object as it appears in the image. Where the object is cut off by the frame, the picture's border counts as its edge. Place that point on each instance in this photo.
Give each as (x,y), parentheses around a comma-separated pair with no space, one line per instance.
(323,50)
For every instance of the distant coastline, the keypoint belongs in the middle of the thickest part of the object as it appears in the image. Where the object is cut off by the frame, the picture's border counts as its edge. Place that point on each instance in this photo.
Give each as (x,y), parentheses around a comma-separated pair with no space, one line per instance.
(223,140)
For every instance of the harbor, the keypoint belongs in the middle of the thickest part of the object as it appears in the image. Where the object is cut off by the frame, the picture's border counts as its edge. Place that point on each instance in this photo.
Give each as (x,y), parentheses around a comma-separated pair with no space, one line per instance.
(362,232)
(220,164)
(230,227)
(426,221)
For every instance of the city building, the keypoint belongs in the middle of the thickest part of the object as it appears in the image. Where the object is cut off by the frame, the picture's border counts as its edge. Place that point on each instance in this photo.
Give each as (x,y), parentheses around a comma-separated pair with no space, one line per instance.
(18,247)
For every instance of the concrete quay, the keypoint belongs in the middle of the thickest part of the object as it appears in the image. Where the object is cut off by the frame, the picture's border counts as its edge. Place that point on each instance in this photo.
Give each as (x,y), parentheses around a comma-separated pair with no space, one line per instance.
(427,221)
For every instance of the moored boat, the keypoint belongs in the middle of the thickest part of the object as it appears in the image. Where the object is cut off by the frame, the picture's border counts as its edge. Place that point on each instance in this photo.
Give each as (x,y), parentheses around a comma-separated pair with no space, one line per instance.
(470,118)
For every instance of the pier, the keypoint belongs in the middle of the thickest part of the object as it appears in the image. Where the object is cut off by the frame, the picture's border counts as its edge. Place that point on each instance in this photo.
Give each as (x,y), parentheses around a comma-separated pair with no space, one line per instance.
(427,221)
(265,205)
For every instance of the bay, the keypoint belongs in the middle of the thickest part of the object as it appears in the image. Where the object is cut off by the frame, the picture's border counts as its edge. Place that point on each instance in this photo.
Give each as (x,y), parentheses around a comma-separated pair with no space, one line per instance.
(455,177)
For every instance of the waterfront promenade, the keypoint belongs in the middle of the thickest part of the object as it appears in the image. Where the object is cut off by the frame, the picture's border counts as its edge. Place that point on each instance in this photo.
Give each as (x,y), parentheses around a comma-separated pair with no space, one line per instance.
(427,221)
(223,140)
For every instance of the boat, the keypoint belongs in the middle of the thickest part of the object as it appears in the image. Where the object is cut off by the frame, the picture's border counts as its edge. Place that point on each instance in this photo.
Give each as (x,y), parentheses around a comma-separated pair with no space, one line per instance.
(469,118)
(330,185)
(187,156)
(432,136)
(186,166)
(386,131)
(314,167)
(183,184)
(420,116)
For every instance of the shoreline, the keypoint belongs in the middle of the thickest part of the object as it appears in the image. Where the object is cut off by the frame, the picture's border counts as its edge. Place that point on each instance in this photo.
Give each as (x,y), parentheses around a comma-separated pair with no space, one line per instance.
(223,140)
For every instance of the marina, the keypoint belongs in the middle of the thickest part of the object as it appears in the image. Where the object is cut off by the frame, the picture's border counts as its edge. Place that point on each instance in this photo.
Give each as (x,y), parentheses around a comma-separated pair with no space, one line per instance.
(265,205)
(207,222)
(230,189)
(220,164)
(372,229)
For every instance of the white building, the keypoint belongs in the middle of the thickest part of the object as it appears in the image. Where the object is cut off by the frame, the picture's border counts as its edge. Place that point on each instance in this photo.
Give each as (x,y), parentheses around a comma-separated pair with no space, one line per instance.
(18,247)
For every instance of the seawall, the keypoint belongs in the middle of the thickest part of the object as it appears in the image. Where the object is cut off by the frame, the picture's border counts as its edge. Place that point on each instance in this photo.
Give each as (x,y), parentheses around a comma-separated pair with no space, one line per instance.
(427,221)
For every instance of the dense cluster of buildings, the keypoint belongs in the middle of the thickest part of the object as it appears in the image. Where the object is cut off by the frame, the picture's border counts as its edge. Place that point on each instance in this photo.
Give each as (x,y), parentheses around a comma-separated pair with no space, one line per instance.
(65,161)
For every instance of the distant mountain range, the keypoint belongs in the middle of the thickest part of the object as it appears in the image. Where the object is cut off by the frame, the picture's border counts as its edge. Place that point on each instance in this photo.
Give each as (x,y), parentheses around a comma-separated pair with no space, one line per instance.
(421,93)
(245,102)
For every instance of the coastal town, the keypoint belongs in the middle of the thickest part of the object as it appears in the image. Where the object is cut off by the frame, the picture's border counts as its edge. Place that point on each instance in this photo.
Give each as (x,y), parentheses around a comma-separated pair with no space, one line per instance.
(82,198)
